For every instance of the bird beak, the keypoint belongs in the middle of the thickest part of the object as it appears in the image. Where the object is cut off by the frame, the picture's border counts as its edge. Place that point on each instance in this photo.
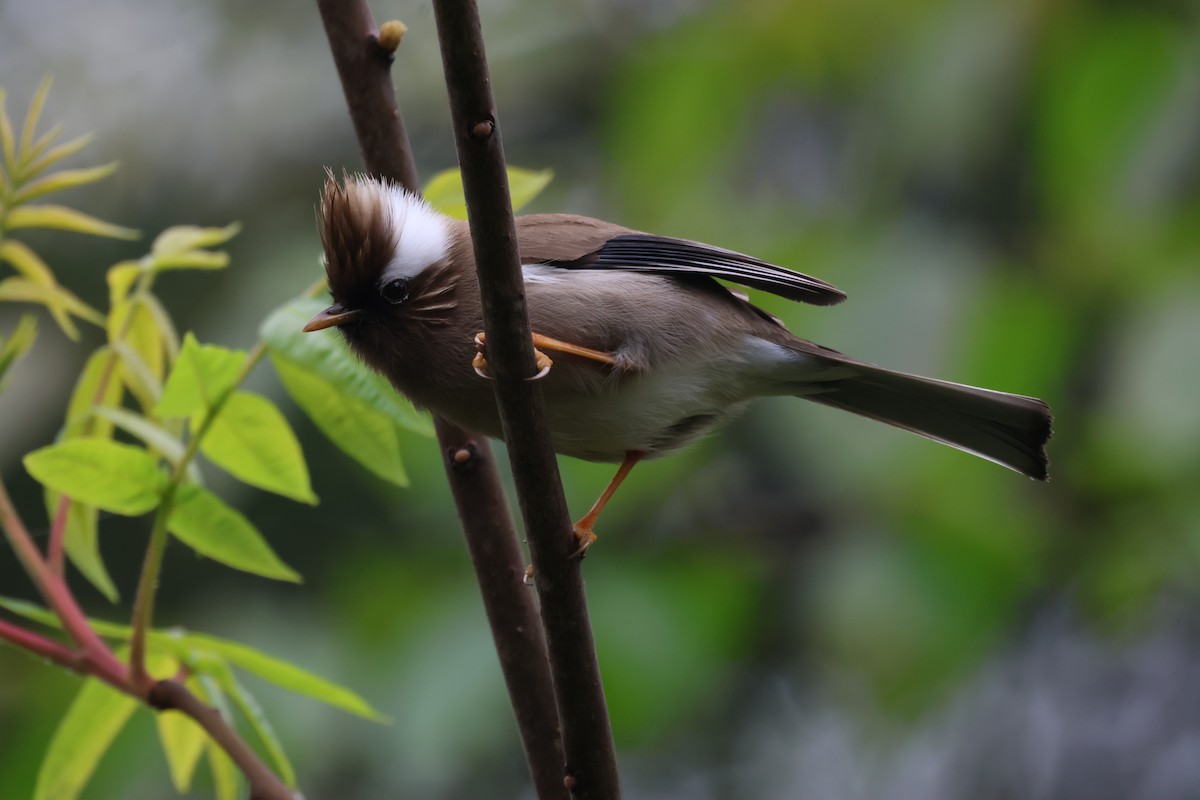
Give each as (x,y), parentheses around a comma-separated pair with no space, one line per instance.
(331,317)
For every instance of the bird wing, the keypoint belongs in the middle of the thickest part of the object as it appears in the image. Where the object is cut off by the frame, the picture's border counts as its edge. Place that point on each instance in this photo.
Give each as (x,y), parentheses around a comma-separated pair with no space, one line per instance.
(609,247)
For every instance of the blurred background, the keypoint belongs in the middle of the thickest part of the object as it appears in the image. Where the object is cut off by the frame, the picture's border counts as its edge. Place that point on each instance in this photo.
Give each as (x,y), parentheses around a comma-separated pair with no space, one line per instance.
(808,605)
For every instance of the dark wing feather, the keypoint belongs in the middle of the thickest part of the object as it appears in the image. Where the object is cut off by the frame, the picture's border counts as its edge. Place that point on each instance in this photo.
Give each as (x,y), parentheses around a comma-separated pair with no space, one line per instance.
(657,255)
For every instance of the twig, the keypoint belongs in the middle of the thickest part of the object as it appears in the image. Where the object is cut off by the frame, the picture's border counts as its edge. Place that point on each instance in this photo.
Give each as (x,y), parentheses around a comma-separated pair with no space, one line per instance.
(364,67)
(167,695)
(591,770)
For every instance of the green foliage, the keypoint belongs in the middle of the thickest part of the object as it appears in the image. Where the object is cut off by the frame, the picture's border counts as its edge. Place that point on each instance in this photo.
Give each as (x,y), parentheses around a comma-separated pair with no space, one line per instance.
(213,529)
(14,348)
(114,477)
(445,190)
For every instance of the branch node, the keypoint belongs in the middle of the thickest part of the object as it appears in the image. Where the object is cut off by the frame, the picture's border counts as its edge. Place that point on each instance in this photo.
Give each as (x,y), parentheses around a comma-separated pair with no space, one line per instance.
(570,782)
(483,129)
(391,33)
(462,457)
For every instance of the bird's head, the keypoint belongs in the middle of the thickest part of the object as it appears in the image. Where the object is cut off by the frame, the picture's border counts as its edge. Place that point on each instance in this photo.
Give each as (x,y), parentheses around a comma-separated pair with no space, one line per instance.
(382,245)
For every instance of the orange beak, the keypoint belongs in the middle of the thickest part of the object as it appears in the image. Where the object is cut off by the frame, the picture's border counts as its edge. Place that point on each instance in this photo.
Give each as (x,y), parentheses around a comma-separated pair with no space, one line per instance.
(331,317)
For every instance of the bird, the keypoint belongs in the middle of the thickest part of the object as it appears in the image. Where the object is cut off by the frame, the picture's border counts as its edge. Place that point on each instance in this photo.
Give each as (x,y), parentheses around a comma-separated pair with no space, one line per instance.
(641,348)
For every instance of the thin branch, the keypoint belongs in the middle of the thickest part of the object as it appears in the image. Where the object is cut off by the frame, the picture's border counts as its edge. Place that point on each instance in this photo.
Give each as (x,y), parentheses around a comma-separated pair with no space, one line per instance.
(41,646)
(169,695)
(364,67)
(591,770)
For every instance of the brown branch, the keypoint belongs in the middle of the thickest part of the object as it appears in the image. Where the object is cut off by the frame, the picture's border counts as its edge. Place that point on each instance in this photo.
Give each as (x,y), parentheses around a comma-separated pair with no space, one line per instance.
(168,695)
(591,770)
(363,65)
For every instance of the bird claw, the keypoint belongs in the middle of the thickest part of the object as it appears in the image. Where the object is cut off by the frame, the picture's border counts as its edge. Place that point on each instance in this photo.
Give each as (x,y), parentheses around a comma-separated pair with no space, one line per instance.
(480,364)
(586,537)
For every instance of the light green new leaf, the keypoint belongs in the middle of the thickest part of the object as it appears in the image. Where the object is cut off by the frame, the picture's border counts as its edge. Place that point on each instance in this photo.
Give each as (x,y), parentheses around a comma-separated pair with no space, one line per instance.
(252,711)
(14,348)
(133,322)
(282,674)
(202,374)
(96,716)
(325,355)
(57,300)
(153,436)
(203,521)
(82,543)
(66,179)
(167,334)
(366,435)
(121,278)
(183,743)
(34,115)
(98,385)
(65,219)
(251,440)
(445,191)
(27,262)
(39,163)
(185,238)
(115,477)
(137,375)
(8,142)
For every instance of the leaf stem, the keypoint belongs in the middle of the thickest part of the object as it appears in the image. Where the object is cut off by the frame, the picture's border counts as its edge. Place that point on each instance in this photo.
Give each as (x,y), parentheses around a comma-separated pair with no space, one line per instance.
(143,604)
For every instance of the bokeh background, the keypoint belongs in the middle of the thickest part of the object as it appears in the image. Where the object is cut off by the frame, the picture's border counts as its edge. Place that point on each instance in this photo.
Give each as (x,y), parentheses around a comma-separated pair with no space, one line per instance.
(808,605)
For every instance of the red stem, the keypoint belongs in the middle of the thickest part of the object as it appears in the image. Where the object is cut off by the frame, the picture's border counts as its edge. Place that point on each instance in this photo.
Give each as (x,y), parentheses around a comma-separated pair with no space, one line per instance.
(58,530)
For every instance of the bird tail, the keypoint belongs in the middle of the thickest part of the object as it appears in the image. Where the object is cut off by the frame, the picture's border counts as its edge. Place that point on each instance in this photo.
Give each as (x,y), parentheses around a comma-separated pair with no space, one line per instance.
(1008,429)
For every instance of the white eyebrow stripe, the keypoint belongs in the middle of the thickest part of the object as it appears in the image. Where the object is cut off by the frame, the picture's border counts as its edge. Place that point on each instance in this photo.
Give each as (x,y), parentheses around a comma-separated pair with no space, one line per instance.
(423,235)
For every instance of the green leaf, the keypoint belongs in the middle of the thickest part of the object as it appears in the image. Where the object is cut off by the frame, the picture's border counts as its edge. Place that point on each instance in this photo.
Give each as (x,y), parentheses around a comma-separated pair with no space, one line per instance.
(253,712)
(115,477)
(58,300)
(202,374)
(188,238)
(183,743)
(65,219)
(134,323)
(283,674)
(121,278)
(195,648)
(98,385)
(167,335)
(137,375)
(326,356)
(203,521)
(14,348)
(156,438)
(38,164)
(367,435)
(8,142)
(251,440)
(95,717)
(59,181)
(34,115)
(27,262)
(82,543)
(445,191)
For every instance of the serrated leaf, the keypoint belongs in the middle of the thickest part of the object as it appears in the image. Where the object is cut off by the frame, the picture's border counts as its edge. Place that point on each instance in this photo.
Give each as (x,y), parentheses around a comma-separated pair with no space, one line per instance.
(27,262)
(153,436)
(60,181)
(366,435)
(205,523)
(14,348)
(251,440)
(111,476)
(183,743)
(253,713)
(81,541)
(65,219)
(185,238)
(327,357)
(95,717)
(445,191)
(97,385)
(202,374)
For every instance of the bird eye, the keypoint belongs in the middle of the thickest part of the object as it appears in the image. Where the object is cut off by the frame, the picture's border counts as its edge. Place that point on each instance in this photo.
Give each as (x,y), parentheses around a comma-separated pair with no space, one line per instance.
(395,291)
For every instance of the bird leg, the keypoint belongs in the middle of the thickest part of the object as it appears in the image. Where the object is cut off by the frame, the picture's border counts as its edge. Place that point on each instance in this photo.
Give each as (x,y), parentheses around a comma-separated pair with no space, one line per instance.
(584,534)
(540,342)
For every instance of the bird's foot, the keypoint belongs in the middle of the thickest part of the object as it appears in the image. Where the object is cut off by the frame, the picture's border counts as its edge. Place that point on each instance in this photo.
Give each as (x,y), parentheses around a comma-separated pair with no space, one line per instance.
(585,536)
(480,365)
